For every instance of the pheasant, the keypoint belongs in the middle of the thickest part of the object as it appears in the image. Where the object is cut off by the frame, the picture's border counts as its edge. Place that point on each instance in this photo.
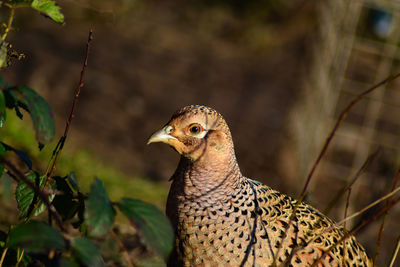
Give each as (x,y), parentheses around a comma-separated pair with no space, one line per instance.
(222,218)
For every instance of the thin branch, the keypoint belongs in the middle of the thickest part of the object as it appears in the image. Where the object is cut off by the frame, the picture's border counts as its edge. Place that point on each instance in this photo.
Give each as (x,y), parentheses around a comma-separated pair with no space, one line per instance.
(376,202)
(339,121)
(42,194)
(381,229)
(367,162)
(344,225)
(57,150)
(60,144)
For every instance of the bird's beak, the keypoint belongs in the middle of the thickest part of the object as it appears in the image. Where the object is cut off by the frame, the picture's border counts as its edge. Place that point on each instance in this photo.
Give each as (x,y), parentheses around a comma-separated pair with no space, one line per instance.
(162,135)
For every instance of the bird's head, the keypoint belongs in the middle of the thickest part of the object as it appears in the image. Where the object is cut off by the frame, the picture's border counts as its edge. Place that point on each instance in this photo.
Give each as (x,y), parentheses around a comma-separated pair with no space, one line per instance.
(195,131)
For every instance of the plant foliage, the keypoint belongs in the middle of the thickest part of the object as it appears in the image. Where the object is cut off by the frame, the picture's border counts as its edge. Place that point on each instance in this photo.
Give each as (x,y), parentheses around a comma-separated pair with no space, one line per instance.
(75,221)
(48,8)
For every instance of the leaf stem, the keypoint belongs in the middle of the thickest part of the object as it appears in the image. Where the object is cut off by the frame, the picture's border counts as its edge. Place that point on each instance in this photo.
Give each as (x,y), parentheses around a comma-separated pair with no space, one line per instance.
(19,256)
(9,24)
(396,251)
(3,256)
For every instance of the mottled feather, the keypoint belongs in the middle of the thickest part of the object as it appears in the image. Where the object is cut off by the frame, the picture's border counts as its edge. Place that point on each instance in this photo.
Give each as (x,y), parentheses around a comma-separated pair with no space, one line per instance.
(222,218)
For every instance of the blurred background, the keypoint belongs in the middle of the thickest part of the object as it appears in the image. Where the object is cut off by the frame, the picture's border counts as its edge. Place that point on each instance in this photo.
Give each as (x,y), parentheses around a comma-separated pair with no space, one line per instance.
(279,71)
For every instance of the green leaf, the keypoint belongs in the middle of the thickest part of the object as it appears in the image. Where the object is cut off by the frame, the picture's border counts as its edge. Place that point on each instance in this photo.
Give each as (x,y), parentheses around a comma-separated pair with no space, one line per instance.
(26,197)
(151,222)
(41,114)
(36,237)
(99,213)
(87,252)
(2,155)
(49,8)
(2,109)
(3,54)
(7,188)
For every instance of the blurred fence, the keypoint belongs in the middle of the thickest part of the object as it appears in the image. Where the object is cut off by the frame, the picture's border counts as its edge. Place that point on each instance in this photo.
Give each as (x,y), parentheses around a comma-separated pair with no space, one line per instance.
(357,47)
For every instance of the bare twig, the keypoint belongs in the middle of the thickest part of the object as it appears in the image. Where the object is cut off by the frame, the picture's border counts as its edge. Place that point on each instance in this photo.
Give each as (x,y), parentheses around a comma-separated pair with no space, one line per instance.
(376,202)
(42,194)
(367,162)
(355,229)
(57,151)
(342,116)
(381,229)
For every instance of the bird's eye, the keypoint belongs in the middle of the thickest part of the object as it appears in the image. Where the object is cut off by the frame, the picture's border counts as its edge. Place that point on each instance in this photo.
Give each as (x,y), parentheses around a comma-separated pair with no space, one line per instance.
(194,129)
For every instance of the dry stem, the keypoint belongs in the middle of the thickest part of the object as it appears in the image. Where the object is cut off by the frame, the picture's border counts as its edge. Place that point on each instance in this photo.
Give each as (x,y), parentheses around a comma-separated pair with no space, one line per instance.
(342,116)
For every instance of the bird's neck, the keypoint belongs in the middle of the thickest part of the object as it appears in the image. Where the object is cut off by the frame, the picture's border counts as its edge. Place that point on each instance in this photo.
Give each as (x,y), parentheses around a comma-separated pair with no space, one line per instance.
(207,180)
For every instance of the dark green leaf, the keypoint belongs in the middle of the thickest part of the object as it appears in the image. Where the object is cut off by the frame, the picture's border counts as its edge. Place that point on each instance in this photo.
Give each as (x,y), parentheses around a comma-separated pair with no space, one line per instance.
(87,252)
(152,223)
(62,186)
(2,109)
(41,114)
(67,262)
(3,84)
(13,102)
(20,154)
(49,8)
(20,1)
(73,181)
(26,197)
(64,201)
(36,237)
(99,213)
(3,239)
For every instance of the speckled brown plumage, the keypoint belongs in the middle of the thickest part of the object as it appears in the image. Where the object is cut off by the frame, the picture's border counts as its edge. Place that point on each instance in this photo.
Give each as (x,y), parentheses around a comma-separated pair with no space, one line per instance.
(222,218)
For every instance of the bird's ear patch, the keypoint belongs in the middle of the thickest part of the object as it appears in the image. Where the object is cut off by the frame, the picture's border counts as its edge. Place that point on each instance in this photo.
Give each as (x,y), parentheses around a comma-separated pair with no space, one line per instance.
(216,139)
